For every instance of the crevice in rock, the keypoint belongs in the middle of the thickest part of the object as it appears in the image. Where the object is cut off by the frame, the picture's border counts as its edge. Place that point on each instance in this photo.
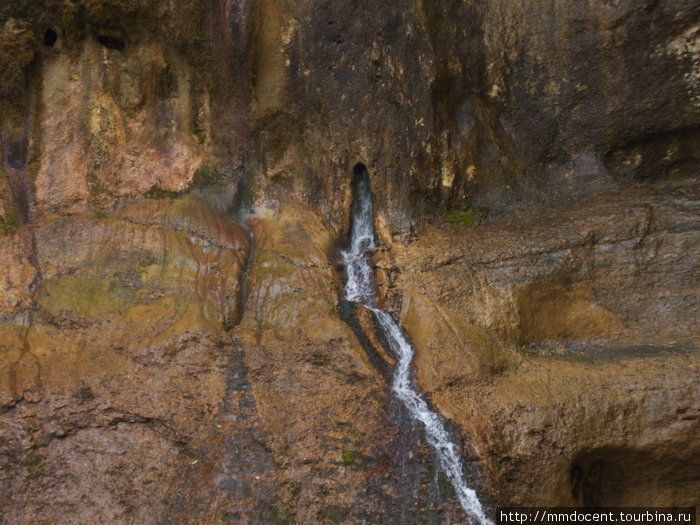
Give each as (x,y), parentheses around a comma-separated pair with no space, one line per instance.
(111,40)
(243,288)
(21,192)
(657,156)
(232,470)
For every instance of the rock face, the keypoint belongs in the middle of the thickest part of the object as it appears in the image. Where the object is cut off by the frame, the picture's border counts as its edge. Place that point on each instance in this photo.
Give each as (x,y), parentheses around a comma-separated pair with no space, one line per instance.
(113,355)
(596,297)
(335,445)
(112,99)
(570,79)
(453,104)
(471,103)
(535,173)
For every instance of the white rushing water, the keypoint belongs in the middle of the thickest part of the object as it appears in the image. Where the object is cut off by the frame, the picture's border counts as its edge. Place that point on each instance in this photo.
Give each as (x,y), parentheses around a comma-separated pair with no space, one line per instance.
(360,287)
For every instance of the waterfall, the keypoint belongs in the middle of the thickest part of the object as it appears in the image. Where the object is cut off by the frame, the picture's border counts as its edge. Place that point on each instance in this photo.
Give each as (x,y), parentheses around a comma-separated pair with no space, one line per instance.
(360,287)
(360,284)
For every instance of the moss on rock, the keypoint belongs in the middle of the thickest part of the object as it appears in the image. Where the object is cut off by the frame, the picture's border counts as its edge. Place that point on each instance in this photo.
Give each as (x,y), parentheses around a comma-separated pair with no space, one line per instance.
(349,457)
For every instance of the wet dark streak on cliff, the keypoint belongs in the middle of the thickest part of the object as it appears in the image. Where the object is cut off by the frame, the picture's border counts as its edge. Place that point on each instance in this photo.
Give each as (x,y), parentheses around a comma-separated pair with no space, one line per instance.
(233,462)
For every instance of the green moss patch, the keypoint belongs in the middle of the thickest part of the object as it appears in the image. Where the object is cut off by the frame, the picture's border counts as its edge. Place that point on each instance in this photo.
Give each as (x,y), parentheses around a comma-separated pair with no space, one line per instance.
(349,457)
(158,193)
(466,217)
(9,222)
(34,464)
(9,226)
(85,294)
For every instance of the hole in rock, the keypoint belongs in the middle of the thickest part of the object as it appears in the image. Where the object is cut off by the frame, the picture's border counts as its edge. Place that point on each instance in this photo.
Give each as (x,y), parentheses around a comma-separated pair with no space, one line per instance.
(360,174)
(112,42)
(50,37)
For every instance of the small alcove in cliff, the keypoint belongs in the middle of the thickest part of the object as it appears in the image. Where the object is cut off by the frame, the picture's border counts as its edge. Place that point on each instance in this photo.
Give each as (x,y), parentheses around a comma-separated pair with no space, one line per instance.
(111,40)
(50,37)
(627,476)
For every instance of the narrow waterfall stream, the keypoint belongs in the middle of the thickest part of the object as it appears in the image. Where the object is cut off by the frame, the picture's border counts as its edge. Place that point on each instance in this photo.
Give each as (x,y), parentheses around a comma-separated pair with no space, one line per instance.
(360,287)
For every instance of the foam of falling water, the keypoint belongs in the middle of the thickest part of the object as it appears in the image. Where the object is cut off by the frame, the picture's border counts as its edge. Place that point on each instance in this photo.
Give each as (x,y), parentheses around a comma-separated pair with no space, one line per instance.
(360,287)
(438,436)
(360,284)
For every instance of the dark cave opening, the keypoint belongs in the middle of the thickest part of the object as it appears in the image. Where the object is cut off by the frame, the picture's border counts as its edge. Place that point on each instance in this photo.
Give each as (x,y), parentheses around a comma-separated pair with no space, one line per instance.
(112,42)
(619,476)
(50,37)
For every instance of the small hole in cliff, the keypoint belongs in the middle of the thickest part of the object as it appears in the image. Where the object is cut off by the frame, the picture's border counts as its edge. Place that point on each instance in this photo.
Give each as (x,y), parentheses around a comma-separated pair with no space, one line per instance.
(112,42)
(50,37)
(360,173)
